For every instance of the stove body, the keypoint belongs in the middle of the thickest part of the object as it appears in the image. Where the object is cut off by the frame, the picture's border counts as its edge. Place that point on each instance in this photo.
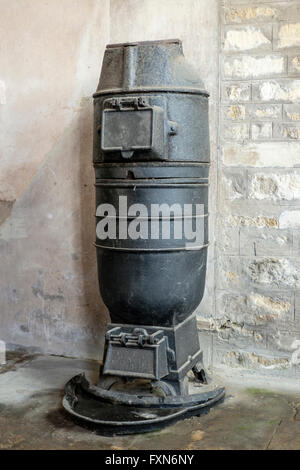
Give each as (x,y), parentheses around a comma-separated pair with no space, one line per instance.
(151,145)
(151,156)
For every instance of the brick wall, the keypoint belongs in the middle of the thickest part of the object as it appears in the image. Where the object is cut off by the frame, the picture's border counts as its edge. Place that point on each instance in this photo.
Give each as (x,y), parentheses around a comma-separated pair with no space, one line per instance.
(257,320)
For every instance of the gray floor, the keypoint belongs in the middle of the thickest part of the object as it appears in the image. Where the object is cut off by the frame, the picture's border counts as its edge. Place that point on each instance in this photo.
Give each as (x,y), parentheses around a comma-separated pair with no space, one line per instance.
(31,417)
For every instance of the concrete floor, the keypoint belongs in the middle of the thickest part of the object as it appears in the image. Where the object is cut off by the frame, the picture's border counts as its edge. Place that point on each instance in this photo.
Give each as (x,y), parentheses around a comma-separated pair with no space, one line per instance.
(31,416)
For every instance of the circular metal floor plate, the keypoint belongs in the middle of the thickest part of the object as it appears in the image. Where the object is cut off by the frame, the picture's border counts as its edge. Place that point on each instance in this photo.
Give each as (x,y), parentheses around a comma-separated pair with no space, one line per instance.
(113,418)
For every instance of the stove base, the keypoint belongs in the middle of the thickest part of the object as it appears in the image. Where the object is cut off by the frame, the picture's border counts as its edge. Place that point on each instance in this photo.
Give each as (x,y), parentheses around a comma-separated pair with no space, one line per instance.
(114,412)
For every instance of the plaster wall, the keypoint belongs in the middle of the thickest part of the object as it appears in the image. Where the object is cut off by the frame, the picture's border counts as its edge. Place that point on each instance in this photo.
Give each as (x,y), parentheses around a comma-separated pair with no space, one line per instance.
(51,53)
